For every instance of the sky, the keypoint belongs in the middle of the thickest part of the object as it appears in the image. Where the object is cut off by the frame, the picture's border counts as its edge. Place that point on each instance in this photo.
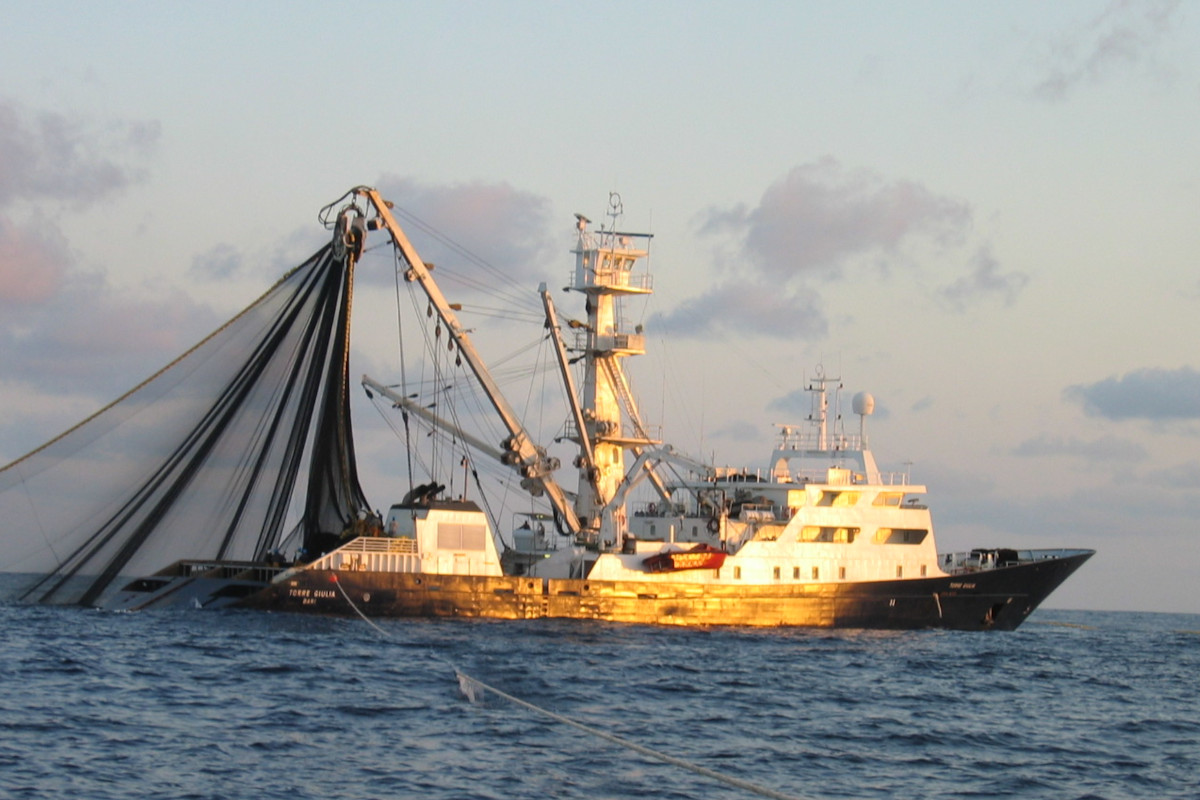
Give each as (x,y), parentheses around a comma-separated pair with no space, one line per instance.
(983,213)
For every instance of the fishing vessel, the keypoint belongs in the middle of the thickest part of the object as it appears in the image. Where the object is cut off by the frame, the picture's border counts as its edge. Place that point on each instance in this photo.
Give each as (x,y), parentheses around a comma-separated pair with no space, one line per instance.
(818,536)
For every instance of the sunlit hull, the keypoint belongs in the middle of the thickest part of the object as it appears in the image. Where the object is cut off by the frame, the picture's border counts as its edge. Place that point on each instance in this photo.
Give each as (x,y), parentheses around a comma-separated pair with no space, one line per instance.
(998,599)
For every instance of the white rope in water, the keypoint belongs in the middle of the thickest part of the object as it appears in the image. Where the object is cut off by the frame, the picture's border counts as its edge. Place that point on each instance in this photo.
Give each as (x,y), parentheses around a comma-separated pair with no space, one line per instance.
(468,686)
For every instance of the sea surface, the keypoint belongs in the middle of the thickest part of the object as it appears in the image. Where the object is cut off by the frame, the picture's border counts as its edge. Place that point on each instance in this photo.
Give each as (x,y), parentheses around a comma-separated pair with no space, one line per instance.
(212,704)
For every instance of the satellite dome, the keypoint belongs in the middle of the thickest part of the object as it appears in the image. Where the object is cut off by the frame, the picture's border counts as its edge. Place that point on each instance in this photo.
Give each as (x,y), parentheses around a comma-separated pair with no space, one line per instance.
(864,404)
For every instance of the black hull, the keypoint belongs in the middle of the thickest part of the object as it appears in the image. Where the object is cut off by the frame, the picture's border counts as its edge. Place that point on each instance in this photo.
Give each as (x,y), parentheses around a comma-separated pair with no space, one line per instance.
(994,599)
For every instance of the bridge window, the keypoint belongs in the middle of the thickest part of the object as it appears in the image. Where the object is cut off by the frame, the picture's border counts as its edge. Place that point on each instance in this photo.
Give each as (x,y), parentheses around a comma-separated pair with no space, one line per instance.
(889,498)
(900,535)
(813,533)
(838,499)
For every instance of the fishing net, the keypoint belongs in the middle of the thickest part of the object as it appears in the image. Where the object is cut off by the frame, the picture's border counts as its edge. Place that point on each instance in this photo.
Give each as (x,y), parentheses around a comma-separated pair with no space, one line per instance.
(201,460)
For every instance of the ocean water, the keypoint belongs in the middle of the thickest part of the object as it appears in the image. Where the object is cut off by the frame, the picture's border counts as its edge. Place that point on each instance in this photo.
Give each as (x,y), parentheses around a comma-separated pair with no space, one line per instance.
(204,704)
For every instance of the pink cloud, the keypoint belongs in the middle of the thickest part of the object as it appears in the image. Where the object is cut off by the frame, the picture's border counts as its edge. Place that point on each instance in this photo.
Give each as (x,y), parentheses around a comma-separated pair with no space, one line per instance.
(33,262)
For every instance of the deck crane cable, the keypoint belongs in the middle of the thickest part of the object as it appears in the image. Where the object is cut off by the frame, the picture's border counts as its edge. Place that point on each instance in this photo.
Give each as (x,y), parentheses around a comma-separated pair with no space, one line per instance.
(472,689)
(403,366)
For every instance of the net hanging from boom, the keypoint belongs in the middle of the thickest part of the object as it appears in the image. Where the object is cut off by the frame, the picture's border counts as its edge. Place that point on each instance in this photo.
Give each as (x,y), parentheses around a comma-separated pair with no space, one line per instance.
(201,460)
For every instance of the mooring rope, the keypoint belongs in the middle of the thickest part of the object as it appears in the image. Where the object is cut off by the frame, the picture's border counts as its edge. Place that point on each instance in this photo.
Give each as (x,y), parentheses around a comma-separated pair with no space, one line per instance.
(468,685)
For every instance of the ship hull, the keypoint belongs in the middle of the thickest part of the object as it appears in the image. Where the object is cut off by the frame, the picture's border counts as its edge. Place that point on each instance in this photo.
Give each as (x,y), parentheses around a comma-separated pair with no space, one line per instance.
(997,599)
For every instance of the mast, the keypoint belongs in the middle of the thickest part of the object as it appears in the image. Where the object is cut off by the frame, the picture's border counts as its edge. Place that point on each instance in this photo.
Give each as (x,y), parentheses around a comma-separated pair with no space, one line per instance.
(605,263)
(535,467)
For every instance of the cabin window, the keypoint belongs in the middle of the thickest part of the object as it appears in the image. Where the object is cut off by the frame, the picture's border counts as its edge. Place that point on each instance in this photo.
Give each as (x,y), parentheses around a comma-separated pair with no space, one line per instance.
(695,530)
(795,573)
(737,573)
(889,498)
(923,570)
(813,533)
(652,530)
(899,571)
(841,573)
(816,573)
(768,532)
(900,535)
(838,499)
(777,573)
(455,536)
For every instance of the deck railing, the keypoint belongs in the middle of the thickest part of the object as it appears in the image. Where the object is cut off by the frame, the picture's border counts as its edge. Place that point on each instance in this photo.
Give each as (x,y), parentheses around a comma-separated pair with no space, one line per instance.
(374,554)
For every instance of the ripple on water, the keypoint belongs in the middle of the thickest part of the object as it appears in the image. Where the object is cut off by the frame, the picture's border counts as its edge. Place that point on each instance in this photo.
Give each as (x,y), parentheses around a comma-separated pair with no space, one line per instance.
(234,704)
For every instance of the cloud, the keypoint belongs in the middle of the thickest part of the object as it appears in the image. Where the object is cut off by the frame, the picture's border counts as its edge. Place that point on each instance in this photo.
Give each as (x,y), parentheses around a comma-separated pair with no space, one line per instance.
(92,341)
(507,231)
(34,258)
(219,262)
(47,155)
(1106,448)
(984,279)
(1151,394)
(738,431)
(1124,34)
(814,224)
(819,216)
(1181,476)
(736,307)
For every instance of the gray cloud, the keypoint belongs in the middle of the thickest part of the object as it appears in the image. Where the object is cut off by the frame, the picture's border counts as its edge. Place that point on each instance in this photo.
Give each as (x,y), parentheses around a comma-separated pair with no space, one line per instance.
(984,279)
(507,231)
(821,215)
(47,155)
(764,310)
(813,224)
(1106,448)
(89,340)
(1125,34)
(1151,394)
(219,262)
(738,431)
(1180,476)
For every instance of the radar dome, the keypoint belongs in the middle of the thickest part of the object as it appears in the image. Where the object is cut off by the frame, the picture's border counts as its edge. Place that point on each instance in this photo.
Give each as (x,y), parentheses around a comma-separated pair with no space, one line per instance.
(864,404)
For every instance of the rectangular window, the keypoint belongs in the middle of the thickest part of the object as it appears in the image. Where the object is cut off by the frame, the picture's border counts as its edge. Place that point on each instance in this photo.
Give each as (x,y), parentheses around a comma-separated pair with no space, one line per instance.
(841,573)
(923,568)
(737,573)
(795,573)
(838,499)
(454,536)
(812,533)
(777,573)
(816,573)
(899,571)
(900,535)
